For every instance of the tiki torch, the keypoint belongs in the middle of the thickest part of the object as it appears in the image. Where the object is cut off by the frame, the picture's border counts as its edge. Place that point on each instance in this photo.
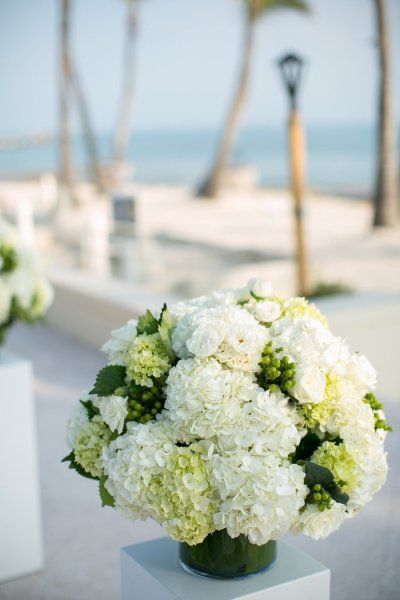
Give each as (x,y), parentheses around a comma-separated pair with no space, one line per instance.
(291,68)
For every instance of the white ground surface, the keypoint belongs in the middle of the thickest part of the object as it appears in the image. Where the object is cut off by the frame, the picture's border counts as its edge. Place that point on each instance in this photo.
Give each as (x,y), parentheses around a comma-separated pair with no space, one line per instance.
(188,246)
(205,244)
(82,540)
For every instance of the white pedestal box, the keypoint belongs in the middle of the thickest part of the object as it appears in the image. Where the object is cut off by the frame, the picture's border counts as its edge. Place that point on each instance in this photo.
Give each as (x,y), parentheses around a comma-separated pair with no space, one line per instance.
(20,524)
(150,571)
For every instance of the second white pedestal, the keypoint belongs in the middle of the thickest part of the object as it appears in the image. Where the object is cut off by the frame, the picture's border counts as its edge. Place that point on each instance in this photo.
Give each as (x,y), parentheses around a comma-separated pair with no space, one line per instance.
(150,571)
(20,524)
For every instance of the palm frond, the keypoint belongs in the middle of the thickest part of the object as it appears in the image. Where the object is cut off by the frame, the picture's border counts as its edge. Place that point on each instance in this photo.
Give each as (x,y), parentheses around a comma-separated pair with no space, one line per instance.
(257,8)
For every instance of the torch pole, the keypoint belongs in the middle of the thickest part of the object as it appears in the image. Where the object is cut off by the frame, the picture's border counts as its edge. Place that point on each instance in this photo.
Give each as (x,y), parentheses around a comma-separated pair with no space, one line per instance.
(297,165)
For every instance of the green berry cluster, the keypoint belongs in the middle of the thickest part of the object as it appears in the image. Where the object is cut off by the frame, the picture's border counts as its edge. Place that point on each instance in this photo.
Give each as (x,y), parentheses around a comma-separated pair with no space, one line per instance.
(380,422)
(143,403)
(277,372)
(319,496)
(8,259)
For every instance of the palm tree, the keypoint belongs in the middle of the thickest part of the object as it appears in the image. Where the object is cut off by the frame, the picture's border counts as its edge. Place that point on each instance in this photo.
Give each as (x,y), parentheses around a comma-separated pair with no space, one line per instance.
(122,130)
(88,133)
(66,161)
(386,209)
(254,11)
(71,89)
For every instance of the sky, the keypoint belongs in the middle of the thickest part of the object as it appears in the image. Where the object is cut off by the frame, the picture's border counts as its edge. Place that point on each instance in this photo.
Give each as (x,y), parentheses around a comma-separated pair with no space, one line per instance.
(187,58)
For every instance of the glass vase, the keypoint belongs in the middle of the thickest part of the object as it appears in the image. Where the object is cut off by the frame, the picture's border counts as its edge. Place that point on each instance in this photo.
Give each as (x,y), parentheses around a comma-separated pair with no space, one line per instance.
(221,556)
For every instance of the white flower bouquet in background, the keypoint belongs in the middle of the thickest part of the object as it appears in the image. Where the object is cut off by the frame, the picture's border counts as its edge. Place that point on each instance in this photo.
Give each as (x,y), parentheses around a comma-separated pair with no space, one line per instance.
(25,293)
(238,412)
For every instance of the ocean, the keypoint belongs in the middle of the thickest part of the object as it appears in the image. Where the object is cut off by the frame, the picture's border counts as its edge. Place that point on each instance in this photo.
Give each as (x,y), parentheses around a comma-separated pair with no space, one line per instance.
(340,158)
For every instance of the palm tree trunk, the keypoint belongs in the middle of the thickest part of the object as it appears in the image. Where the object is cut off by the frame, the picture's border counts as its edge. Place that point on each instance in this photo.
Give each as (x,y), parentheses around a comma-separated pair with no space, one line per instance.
(386,210)
(122,131)
(212,184)
(66,174)
(88,133)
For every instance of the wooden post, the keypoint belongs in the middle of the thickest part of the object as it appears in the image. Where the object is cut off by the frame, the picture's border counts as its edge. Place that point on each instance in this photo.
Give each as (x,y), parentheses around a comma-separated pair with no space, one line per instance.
(297,164)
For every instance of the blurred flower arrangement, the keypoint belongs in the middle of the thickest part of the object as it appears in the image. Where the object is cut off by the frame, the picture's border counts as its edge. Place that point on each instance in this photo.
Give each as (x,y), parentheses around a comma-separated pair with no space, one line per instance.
(238,411)
(25,293)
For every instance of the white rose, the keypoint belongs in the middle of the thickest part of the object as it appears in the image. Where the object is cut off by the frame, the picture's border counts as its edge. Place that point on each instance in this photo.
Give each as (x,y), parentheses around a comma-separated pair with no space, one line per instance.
(259,287)
(309,385)
(76,423)
(118,345)
(266,311)
(242,295)
(113,410)
(361,372)
(319,524)
(204,341)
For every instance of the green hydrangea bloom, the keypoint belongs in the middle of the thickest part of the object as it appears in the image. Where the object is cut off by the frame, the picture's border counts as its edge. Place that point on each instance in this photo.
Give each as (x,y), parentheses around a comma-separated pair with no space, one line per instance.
(336,458)
(182,497)
(316,415)
(146,358)
(300,307)
(89,445)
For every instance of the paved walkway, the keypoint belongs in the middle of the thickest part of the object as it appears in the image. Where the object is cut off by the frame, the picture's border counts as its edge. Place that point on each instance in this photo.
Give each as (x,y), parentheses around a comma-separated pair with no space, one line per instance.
(82,540)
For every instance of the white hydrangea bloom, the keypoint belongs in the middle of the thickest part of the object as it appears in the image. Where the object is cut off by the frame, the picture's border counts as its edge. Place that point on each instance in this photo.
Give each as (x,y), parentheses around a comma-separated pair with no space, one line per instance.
(260,495)
(268,424)
(318,524)
(117,346)
(204,399)
(150,476)
(214,300)
(132,460)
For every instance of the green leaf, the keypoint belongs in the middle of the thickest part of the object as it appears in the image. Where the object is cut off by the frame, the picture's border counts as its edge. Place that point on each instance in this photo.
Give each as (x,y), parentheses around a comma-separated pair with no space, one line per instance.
(258,298)
(69,457)
(307,447)
(317,474)
(109,379)
(337,495)
(163,310)
(76,466)
(105,496)
(165,331)
(90,408)
(147,323)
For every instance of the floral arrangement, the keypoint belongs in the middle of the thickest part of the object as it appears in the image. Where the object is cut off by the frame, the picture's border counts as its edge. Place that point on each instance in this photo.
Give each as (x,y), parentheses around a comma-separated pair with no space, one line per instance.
(237,411)
(25,294)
